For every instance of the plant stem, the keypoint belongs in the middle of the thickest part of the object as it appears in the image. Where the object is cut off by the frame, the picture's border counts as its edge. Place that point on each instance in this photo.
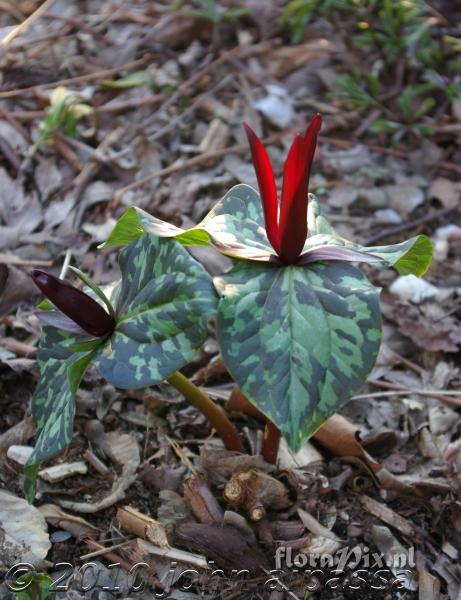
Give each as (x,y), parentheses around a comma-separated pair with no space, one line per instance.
(217,417)
(271,442)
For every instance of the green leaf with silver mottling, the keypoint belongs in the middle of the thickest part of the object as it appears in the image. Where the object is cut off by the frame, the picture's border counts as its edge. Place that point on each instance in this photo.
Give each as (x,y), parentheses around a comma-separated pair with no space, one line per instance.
(162,305)
(135,222)
(299,341)
(412,256)
(164,302)
(53,404)
(235,227)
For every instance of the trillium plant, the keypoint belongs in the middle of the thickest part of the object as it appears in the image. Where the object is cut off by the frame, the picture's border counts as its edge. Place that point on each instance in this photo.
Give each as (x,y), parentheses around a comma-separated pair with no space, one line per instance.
(298,324)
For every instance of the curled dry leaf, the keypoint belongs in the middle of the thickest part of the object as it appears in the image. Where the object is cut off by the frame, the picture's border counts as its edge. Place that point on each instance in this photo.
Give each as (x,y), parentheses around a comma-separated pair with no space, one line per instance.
(399,559)
(429,326)
(445,190)
(15,287)
(18,434)
(23,532)
(340,437)
(177,30)
(78,527)
(123,449)
(317,528)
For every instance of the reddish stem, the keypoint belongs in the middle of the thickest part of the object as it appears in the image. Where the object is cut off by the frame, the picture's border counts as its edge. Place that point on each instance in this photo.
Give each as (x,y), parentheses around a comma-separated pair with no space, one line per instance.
(271,442)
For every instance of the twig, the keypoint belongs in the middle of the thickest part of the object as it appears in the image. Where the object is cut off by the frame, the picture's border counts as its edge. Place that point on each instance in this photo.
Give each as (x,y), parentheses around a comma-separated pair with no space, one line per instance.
(403,392)
(67,153)
(112,107)
(450,398)
(432,216)
(92,167)
(76,80)
(19,348)
(101,551)
(27,23)
(340,143)
(130,104)
(11,259)
(409,363)
(44,39)
(197,101)
(65,264)
(186,164)
(12,121)
(198,75)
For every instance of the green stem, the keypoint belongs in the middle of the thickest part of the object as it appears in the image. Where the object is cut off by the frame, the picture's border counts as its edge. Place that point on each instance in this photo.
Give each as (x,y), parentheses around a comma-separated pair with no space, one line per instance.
(217,417)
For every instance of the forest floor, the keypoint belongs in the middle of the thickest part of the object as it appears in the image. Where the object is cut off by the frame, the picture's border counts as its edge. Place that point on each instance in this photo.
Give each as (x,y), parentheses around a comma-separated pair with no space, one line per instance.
(163,92)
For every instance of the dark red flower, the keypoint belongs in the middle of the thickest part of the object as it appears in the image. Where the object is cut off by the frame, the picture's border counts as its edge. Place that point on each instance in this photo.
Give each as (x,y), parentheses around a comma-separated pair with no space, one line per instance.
(75,304)
(286,227)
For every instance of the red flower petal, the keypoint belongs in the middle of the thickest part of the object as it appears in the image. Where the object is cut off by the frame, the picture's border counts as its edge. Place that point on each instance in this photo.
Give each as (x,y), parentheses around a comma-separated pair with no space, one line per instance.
(267,185)
(75,304)
(293,209)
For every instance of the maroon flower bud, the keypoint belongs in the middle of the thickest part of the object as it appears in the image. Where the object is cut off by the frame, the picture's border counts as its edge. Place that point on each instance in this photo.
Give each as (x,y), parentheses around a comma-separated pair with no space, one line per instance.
(75,304)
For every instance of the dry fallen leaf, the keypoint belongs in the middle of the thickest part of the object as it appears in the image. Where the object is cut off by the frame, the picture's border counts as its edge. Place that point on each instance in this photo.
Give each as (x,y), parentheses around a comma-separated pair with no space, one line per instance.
(23,532)
(428,325)
(124,450)
(78,527)
(444,190)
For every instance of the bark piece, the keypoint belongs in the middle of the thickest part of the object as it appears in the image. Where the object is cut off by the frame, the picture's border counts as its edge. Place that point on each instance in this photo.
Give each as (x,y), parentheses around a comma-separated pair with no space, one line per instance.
(143,526)
(63,470)
(225,545)
(201,501)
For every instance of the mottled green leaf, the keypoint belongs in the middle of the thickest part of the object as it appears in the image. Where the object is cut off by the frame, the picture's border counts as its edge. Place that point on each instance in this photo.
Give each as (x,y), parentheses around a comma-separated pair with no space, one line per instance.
(412,256)
(135,222)
(53,404)
(162,305)
(127,229)
(299,341)
(235,227)
(164,301)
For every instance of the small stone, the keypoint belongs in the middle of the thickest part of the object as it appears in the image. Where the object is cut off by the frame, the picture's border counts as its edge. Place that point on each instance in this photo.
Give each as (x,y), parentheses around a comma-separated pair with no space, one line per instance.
(404,198)
(374,197)
(276,106)
(20,454)
(388,215)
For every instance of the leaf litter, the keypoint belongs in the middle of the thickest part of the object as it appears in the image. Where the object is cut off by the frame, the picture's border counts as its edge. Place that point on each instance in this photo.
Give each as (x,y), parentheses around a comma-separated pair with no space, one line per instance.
(167,92)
